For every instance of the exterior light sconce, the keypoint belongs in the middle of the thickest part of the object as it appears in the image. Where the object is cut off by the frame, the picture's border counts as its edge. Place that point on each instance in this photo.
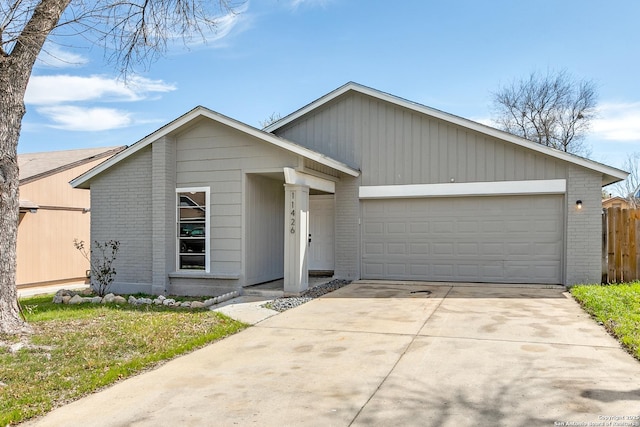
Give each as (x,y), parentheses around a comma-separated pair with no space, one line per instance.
(579,204)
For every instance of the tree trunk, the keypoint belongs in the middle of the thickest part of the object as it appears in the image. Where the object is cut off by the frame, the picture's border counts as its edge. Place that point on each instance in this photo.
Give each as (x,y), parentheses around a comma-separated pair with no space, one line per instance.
(15,69)
(12,110)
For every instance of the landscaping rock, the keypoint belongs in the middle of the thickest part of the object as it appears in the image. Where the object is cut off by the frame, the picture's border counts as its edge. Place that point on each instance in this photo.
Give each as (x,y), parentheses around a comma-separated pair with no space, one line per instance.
(285,303)
(59,297)
(14,348)
(76,299)
(64,296)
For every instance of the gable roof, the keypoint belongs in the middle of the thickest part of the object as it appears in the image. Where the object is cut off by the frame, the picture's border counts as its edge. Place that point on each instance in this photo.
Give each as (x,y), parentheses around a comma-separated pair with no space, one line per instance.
(34,166)
(199,112)
(609,174)
(614,198)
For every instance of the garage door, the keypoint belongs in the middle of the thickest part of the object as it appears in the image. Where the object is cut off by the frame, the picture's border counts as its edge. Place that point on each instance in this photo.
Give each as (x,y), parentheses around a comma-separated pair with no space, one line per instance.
(506,239)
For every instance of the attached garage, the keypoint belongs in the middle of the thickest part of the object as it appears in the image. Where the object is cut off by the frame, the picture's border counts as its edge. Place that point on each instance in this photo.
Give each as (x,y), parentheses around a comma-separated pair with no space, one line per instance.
(442,198)
(504,239)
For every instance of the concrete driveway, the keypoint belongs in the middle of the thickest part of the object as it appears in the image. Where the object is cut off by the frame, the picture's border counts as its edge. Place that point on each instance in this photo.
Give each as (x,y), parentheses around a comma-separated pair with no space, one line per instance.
(390,354)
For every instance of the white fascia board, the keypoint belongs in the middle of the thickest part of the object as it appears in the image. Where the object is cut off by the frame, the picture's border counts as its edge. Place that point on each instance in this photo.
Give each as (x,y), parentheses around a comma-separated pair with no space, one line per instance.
(82,180)
(291,176)
(610,174)
(494,188)
(312,106)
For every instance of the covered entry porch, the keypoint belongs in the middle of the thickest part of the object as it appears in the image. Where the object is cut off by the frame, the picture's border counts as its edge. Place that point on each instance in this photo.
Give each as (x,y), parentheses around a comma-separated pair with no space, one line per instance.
(289,229)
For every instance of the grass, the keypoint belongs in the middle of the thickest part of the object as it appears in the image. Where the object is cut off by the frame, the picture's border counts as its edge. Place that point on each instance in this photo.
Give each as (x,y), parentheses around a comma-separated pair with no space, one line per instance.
(617,307)
(77,349)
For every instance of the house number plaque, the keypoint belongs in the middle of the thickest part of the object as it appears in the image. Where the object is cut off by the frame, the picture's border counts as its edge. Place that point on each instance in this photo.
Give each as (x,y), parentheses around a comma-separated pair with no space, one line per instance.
(292,228)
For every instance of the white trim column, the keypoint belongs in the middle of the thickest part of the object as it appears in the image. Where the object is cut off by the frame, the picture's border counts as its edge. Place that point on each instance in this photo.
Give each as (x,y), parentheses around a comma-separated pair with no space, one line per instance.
(296,239)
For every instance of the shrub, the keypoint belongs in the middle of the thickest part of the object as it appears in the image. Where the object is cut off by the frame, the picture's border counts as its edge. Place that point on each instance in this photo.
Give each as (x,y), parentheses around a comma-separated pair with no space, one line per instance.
(101,257)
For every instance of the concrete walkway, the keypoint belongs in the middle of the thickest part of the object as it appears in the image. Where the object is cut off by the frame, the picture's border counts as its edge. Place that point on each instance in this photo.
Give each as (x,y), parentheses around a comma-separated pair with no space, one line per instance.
(389,354)
(50,289)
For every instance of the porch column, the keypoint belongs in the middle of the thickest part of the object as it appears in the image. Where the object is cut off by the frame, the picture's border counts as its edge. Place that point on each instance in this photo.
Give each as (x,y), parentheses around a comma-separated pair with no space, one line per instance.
(296,238)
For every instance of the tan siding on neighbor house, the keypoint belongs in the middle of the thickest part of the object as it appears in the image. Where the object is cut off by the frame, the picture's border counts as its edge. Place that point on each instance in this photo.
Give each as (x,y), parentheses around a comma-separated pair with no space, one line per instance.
(45,239)
(394,145)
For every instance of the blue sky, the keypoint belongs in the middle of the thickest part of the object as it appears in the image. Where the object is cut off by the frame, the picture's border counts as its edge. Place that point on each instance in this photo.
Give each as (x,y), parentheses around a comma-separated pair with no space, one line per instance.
(276,56)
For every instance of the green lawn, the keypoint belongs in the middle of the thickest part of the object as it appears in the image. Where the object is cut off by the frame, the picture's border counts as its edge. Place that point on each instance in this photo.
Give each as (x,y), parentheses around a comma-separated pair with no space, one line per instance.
(617,307)
(76,349)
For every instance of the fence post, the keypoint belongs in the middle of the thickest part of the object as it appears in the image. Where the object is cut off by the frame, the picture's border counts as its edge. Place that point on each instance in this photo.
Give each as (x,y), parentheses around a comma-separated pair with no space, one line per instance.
(604,247)
(635,254)
(624,245)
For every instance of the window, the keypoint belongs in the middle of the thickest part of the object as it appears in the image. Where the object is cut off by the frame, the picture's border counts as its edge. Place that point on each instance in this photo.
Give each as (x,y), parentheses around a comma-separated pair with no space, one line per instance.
(193,229)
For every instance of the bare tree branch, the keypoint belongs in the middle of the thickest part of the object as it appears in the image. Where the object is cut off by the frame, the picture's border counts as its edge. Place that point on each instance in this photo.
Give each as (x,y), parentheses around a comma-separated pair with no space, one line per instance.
(552,109)
(131,32)
(629,187)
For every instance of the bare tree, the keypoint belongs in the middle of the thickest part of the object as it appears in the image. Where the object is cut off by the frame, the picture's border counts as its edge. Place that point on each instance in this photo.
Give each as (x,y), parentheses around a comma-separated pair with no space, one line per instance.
(629,187)
(132,32)
(553,110)
(274,117)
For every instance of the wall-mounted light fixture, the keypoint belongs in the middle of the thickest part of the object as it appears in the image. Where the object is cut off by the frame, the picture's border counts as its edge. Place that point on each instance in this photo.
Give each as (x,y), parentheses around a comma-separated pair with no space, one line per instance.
(578,204)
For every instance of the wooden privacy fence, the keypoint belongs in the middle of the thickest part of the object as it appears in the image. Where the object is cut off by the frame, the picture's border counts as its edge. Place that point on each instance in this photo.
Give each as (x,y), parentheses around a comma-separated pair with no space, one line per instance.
(620,245)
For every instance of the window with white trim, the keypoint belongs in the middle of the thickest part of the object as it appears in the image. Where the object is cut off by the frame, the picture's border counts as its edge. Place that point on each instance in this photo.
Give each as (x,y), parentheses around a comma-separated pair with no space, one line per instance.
(192,241)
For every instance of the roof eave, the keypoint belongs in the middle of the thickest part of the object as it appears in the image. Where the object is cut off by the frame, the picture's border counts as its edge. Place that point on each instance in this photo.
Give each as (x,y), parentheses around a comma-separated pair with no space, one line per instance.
(83,181)
(610,174)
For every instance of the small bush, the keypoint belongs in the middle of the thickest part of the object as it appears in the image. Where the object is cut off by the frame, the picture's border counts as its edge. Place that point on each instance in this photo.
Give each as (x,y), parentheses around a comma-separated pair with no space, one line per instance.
(101,258)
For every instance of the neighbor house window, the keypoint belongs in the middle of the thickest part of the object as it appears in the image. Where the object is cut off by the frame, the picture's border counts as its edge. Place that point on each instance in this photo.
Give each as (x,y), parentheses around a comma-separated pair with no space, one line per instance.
(193,229)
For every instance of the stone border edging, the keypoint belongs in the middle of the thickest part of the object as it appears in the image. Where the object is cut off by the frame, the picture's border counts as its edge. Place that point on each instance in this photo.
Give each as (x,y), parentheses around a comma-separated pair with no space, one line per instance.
(65,296)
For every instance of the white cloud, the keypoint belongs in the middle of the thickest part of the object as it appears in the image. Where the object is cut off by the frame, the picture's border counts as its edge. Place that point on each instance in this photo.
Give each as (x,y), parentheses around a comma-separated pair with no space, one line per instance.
(53,56)
(73,118)
(618,122)
(224,26)
(46,90)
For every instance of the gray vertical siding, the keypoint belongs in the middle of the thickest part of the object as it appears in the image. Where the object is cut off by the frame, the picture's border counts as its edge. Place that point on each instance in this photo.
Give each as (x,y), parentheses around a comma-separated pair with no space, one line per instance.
(211,154)
(394,145)
(264,222)
(121,210)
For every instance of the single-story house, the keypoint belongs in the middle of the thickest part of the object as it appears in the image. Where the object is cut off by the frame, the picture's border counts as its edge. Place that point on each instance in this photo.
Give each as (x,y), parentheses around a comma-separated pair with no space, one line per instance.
(360,183)
(52,214)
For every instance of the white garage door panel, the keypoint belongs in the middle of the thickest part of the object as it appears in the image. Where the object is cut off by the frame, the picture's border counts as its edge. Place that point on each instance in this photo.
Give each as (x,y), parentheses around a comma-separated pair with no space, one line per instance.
(508,239)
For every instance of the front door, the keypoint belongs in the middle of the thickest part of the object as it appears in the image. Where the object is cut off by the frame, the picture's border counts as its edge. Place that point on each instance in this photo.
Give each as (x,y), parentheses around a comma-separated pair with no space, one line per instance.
(321,233)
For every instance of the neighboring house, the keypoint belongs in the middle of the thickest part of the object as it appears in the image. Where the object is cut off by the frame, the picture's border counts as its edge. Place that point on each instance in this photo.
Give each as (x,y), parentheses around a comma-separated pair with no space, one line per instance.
(359,182)
(52,214)
(615,202)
